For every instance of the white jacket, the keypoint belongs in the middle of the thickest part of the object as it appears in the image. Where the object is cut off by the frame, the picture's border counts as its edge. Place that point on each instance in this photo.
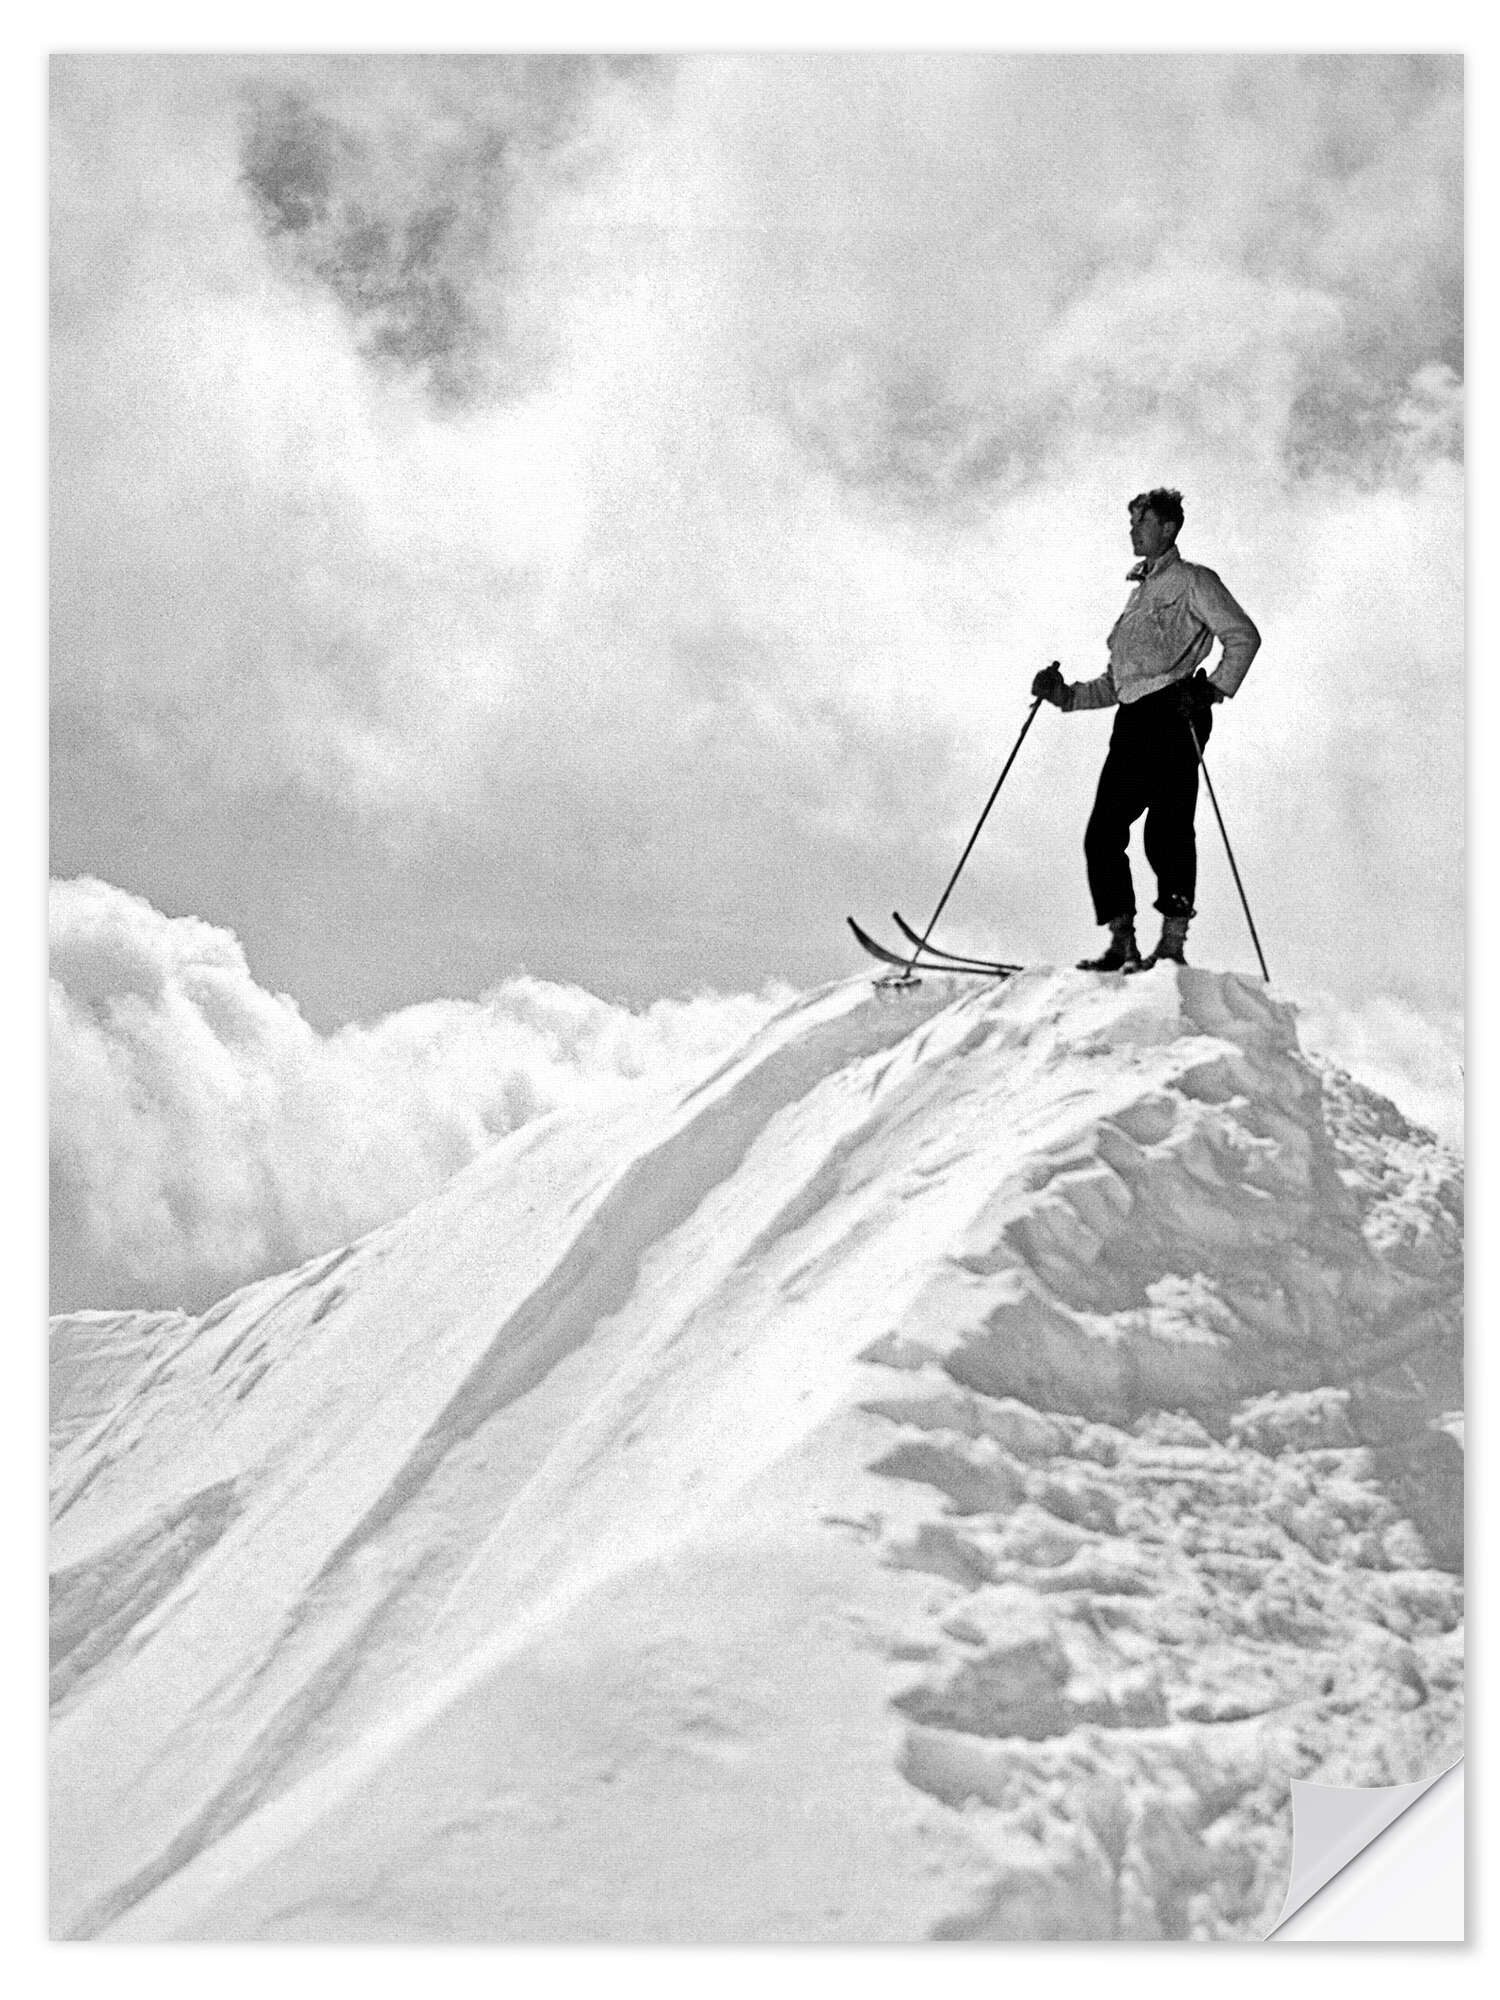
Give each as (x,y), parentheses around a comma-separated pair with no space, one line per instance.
(1165,633)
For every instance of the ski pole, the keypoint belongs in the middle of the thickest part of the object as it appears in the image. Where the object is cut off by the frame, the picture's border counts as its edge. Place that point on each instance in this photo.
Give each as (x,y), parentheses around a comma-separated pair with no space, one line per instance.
(932,920)
(1244,899)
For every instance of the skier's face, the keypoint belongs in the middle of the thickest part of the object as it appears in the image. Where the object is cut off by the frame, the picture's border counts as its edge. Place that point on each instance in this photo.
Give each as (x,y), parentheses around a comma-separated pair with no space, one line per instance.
(1148,535)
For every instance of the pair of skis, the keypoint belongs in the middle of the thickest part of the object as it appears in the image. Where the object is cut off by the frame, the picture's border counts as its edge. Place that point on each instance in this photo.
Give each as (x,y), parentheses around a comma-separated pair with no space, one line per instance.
(924,953)
(925,956)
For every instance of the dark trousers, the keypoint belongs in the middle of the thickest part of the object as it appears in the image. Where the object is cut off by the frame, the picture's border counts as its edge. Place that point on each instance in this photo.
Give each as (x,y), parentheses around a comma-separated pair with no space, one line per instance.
(1152,768)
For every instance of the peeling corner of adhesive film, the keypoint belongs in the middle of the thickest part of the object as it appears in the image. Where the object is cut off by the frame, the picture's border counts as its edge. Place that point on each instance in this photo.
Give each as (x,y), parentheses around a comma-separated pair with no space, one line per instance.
(1334,1826)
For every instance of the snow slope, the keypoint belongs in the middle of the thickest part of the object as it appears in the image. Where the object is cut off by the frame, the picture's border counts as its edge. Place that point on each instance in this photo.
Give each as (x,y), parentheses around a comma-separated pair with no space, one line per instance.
(939,1477)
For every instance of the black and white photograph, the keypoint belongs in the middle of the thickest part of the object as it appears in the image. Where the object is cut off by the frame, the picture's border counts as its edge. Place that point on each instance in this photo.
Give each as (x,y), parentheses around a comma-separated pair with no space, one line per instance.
(756,1023)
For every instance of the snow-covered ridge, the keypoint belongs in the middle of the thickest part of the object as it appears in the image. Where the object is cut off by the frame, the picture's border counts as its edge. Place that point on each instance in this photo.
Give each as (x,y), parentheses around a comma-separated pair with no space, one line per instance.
(942,1475)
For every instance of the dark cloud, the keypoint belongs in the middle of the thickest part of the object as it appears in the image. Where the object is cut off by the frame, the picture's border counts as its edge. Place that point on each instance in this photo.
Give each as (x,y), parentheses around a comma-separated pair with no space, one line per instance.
(413,207)
(1372,433)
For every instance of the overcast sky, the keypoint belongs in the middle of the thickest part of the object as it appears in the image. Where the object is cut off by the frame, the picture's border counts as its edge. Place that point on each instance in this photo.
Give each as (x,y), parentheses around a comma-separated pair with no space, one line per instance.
(600,518)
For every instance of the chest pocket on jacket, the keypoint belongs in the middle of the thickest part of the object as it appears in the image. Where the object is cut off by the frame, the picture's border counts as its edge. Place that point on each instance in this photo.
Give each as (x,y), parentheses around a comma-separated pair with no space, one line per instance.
(1168,617)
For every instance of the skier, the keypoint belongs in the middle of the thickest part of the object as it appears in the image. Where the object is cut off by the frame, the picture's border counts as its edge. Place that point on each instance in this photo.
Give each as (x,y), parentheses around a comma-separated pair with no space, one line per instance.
(1156,651)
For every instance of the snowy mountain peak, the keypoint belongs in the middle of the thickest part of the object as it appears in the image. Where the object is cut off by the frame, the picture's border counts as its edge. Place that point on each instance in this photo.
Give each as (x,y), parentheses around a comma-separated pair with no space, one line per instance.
(941,1475)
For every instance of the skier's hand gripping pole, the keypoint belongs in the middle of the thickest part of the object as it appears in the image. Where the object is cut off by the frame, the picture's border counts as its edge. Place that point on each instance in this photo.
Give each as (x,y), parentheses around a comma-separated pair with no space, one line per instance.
(1049,684)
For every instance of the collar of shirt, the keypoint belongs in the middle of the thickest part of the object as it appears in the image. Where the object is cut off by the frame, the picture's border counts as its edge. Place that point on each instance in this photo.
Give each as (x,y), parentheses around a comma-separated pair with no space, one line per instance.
(1143,569)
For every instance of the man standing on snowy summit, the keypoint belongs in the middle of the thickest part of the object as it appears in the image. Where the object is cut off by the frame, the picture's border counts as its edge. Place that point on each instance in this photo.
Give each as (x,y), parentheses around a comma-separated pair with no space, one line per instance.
(1156,649)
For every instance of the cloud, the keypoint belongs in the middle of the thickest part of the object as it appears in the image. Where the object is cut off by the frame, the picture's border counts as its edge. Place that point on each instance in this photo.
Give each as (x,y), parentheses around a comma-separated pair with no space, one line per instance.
(610,518)
(407,191)
(203,1134)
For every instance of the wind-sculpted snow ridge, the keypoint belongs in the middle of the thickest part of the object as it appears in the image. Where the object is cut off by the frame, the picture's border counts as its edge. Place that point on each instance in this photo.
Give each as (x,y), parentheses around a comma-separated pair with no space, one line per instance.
(940,1477)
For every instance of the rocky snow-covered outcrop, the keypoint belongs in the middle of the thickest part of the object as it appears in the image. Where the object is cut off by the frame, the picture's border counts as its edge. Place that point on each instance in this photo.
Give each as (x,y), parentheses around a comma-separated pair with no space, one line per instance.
(941,1476)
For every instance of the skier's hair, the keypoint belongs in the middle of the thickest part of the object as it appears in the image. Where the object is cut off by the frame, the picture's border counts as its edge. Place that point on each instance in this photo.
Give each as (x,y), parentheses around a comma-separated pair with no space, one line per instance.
(1165,503)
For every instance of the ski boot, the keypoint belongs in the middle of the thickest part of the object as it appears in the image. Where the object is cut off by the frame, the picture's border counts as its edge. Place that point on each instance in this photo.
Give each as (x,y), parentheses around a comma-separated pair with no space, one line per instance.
(1123,955)
(1173,944)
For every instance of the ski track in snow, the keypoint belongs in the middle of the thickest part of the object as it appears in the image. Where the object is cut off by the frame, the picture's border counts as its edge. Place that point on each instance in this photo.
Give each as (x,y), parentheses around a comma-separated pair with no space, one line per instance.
(941,1476)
